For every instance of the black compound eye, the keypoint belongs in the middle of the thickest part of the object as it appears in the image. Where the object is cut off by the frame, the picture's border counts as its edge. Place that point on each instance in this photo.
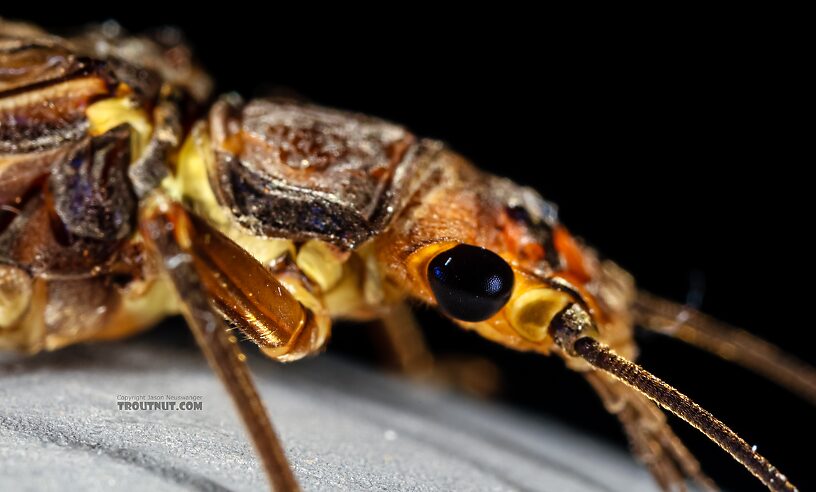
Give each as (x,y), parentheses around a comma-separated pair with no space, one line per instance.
(470,283)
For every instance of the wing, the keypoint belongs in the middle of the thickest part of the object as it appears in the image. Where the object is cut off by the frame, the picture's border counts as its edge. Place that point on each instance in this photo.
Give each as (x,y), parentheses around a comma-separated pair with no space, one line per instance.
(298,171)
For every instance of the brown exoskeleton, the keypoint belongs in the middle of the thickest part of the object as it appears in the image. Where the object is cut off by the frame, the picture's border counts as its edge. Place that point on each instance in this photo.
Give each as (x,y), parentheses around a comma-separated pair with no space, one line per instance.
(273,217)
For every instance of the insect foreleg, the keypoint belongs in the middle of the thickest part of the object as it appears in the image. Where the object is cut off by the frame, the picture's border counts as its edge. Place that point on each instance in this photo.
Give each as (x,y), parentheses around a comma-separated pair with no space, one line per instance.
(171,236)
(401,337)
(733,344)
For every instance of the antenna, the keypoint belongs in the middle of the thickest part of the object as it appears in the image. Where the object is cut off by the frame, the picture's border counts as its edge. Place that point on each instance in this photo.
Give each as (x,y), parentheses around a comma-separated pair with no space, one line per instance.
(574,332)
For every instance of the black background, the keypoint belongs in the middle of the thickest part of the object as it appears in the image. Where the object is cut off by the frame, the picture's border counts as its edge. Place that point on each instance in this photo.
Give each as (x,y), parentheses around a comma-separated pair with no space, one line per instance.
(671,148)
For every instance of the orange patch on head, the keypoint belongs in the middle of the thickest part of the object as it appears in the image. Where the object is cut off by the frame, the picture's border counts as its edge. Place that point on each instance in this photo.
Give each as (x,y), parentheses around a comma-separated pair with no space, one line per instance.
(518,240)
(572,255)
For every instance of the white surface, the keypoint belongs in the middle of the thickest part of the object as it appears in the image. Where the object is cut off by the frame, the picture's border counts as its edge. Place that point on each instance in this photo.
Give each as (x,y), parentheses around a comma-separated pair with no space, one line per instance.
(344,428)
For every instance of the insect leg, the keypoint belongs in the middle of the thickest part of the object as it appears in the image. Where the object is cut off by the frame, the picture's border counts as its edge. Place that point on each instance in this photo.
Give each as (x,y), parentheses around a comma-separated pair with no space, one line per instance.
(650,451)
(168,232)
(401,336)
(730,343)
(403,339)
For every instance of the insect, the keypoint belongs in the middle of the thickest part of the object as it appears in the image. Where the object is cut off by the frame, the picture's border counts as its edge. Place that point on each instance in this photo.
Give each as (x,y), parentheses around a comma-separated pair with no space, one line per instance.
(124,199)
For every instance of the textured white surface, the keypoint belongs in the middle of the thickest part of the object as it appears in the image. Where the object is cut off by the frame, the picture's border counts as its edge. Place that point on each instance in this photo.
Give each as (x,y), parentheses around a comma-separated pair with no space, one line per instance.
(344,428)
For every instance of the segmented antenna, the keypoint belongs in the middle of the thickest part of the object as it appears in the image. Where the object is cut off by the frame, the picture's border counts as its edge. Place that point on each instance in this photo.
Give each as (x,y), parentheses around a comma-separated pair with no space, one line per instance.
(574,331)
(602,357)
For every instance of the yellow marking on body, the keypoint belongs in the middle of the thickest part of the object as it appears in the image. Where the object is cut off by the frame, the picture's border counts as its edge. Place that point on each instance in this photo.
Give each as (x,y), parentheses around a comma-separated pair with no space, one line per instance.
(109,113)
(530,312)
(362,293)
(347,299)
(375,292)
(318,261)
(265,250)
(191,182)
(191,185)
